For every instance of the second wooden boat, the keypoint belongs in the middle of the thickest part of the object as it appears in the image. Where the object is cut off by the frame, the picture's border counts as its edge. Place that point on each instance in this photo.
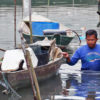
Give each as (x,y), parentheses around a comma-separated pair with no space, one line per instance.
(42,25)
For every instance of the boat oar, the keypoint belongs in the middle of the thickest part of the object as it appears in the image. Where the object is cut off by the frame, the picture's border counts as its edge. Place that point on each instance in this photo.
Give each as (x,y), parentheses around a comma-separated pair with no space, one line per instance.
(98,12)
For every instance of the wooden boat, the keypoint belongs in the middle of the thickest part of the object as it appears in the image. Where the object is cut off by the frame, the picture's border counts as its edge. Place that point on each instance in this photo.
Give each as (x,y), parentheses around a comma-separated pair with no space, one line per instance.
(20,78)
(41,26)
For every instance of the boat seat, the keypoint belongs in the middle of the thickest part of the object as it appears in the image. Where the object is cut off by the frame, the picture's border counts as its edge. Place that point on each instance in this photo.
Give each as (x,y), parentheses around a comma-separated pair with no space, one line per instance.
(54,31)
(13,60)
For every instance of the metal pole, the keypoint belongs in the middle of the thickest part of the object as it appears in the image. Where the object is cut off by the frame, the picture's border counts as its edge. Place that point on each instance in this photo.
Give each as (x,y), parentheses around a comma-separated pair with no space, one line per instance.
(15,23)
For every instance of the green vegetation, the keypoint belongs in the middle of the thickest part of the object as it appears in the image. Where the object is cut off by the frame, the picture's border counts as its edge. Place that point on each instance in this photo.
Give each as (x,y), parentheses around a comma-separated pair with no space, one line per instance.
(52,2)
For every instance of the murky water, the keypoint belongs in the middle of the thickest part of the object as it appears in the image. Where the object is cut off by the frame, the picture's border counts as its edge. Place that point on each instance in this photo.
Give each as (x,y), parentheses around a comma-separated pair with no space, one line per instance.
(77,83)
(83,85)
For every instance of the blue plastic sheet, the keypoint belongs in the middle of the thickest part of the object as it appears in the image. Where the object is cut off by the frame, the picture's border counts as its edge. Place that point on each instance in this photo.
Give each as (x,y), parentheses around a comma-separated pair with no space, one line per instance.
(38,27)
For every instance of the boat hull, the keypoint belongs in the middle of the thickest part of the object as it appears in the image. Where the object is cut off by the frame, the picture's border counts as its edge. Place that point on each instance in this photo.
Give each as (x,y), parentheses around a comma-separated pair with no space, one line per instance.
(20,79)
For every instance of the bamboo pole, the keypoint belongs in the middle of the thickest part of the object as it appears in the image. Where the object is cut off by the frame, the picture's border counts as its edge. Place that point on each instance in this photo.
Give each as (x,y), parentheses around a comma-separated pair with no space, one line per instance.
(73,3)
(32,71)
(48,8)
(31,39)
(32,74)
(15,23)
(48,2)
(29,59)
(22,9)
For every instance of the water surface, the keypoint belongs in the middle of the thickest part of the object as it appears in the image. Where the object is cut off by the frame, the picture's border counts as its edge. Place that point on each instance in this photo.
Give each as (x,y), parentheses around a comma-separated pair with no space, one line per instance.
(84,84)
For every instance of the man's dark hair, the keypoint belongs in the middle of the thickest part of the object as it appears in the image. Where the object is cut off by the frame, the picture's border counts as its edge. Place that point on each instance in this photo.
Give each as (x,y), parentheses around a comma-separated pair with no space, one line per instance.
(91,32)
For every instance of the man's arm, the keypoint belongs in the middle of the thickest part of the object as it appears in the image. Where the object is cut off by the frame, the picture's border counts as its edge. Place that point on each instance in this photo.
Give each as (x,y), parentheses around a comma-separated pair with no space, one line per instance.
(73,60)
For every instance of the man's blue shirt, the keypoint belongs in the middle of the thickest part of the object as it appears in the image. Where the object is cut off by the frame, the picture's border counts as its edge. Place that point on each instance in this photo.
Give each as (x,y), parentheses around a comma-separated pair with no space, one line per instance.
(90,58)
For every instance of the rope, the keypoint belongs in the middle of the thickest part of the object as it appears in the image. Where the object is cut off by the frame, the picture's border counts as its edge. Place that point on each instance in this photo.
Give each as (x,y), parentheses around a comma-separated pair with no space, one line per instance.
(8,86)
(77,35)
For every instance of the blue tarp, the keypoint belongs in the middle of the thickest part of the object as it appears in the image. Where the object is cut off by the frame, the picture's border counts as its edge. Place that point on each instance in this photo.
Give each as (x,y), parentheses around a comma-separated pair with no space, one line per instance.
(38,27)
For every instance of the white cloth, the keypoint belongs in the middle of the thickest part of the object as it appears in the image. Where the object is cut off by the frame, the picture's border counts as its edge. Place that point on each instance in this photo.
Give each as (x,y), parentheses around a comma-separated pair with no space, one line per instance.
(12,59)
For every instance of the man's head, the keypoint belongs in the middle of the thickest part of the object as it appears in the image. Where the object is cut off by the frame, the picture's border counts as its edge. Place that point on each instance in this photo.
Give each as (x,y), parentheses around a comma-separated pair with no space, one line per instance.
(91,38)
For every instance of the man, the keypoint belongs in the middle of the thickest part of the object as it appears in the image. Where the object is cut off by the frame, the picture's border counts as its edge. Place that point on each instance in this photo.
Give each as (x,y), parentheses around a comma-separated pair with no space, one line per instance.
(88,54)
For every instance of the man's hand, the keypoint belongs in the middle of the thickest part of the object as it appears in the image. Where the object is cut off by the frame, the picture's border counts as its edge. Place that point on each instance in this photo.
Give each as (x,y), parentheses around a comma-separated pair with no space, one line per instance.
(66,55)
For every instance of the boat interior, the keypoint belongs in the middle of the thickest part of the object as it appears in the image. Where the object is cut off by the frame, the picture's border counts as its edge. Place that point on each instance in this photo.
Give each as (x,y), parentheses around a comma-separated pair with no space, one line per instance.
(41,53)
